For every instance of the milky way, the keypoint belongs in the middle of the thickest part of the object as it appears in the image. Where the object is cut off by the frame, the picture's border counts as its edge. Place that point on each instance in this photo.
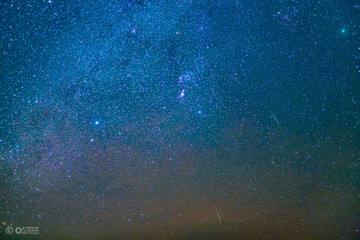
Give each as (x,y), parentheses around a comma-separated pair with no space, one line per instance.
(180,119)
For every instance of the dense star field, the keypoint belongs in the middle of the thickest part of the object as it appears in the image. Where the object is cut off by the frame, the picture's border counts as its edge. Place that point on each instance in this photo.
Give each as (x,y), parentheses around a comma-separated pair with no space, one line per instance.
(180,119)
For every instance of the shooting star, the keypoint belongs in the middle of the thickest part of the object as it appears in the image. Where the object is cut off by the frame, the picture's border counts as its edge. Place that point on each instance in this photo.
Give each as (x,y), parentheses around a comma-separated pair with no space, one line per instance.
(217,213)
(275,119)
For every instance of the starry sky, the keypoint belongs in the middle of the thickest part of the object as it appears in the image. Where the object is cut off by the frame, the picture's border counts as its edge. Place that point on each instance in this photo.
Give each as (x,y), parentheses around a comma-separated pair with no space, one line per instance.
(180,119)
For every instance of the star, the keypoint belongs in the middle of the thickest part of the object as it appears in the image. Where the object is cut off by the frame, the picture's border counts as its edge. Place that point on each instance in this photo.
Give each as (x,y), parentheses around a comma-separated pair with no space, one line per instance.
(182,94)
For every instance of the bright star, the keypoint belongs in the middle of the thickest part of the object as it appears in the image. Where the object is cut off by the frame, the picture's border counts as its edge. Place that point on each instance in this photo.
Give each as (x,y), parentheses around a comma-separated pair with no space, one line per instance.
(97,122)
(182,93)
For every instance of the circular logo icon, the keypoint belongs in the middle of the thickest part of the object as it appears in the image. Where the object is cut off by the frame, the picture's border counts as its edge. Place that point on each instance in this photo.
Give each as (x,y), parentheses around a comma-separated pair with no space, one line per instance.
(18,230)
(9,230)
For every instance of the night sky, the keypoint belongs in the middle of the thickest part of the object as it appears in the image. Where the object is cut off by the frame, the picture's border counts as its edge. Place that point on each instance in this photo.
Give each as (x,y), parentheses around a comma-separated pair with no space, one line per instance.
(180,119)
